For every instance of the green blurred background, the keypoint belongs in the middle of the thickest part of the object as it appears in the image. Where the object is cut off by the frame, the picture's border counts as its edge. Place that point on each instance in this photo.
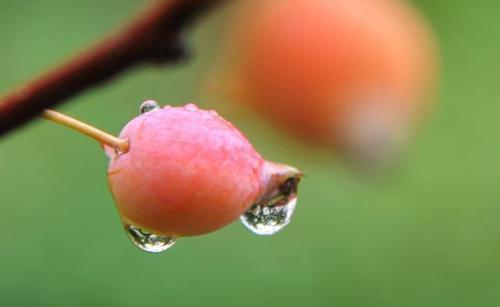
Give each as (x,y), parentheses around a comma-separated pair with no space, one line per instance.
(428,235)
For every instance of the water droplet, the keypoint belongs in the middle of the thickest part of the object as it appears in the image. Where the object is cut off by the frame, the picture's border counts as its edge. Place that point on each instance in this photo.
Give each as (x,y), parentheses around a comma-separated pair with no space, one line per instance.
(191,107)
(110,151)
(149,242)
(272,214)
(148,106)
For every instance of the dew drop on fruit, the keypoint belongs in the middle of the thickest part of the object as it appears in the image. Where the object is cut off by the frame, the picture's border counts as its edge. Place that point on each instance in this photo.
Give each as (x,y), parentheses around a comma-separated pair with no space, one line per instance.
(147,241)
(110,151)
(191,107)
(272,215)
(148,106)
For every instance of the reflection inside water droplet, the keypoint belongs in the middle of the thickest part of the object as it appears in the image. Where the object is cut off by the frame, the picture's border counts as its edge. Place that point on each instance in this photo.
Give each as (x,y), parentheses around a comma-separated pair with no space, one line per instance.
(272,214)
(149,242)
(148,106)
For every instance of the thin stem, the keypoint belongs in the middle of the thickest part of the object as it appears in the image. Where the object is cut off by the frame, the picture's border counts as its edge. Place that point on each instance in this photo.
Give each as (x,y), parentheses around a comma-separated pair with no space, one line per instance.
(102,137)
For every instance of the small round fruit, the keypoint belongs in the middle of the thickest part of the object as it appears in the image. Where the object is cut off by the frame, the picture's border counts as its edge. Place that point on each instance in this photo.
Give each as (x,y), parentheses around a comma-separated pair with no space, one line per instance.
(187,172)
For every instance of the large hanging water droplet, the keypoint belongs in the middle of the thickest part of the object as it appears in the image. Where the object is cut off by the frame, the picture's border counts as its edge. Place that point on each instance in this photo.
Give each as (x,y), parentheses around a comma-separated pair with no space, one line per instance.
(274,212)
(147,241)
(148,106)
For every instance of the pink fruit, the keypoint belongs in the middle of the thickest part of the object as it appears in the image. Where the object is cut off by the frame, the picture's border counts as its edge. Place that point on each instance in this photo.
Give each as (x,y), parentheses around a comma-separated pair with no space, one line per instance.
(188,172)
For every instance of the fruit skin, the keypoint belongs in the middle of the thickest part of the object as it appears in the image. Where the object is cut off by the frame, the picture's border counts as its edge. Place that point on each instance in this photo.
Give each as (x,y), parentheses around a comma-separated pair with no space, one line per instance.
(349,74)
(188,172)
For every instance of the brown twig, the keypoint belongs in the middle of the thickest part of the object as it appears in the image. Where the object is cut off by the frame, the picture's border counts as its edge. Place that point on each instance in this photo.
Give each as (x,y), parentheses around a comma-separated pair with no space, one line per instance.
(153,36)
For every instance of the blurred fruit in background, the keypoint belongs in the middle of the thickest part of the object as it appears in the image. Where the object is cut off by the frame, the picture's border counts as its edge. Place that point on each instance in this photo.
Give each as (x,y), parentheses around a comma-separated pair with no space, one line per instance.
(352,75)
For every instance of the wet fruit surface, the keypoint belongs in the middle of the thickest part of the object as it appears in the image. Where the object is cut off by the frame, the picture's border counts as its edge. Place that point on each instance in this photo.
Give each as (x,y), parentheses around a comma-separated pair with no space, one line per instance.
(188,172)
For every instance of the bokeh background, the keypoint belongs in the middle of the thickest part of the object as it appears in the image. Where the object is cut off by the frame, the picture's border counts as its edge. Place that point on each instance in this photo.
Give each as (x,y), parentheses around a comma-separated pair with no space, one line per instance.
(426,235)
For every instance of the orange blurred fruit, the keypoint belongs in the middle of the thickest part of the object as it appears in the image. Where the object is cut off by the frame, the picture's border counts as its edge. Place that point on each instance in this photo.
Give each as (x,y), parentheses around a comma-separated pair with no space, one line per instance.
(354,75)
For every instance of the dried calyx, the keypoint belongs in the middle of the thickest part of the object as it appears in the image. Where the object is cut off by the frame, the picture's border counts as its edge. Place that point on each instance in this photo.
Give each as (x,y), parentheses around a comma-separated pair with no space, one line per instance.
(281,184)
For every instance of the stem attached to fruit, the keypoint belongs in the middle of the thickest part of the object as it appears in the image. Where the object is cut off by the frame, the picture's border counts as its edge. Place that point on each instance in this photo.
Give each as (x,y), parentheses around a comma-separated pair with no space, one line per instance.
(102,137)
